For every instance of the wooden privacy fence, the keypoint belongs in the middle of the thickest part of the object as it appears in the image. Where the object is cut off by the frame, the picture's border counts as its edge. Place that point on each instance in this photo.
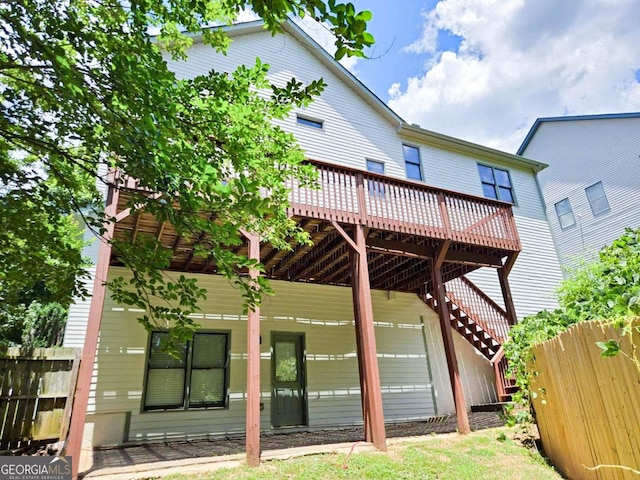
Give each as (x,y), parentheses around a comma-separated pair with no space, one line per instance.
(35,384)
(587,407)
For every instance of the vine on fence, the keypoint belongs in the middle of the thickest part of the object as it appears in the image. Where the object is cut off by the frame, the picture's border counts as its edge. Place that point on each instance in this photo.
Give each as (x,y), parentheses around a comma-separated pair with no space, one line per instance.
(606,289)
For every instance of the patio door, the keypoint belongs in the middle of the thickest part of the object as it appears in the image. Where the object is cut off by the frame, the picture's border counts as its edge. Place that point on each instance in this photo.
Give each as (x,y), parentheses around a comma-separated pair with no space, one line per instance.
(288,396)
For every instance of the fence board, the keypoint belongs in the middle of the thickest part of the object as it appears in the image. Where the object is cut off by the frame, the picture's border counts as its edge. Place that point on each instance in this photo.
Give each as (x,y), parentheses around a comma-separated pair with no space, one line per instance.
(587,407)
(34,386)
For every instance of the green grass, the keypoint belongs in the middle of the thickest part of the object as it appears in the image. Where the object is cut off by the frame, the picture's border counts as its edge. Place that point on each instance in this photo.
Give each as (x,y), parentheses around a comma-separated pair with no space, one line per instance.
(481,455)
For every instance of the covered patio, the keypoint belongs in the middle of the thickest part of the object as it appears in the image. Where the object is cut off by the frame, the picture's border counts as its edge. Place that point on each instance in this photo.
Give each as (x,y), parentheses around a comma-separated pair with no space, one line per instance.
(369,231)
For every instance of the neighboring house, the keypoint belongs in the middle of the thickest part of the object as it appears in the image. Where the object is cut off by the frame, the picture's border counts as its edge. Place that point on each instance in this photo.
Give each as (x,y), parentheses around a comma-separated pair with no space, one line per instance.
(323,338)
(592,185)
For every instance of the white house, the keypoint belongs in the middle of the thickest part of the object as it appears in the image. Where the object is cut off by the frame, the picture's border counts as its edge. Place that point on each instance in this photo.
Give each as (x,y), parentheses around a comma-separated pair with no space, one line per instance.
(421,207)
(592,185)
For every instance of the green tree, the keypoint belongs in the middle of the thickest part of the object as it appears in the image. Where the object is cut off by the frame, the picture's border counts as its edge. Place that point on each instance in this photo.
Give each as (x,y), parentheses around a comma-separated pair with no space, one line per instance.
(83,85)
(44,325)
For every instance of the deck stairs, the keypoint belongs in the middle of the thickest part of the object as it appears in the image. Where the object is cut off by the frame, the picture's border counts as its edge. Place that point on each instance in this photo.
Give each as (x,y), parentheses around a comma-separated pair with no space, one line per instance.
(480,321)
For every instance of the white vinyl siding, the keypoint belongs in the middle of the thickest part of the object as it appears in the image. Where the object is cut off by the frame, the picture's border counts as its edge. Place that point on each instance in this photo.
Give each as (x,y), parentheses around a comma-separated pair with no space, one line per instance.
(325,315)
(353,131)
(581,153)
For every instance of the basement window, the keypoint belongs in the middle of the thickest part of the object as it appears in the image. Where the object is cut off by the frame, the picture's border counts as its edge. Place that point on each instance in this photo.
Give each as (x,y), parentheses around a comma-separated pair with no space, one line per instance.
(198,377)
(309,122)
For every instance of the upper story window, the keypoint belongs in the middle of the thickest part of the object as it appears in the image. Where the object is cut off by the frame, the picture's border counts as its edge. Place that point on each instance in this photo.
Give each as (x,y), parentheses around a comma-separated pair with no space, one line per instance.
(496,183)
(375,167)
(412,162)
(375,188)
(597,198)
(565,213)
(196,378)
(309,122)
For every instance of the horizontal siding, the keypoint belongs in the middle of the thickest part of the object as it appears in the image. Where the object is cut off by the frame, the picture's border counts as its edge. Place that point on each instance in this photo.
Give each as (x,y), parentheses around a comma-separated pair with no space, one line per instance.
(581,153)
(353,132)
(76,326)
(325,315)
(536,273)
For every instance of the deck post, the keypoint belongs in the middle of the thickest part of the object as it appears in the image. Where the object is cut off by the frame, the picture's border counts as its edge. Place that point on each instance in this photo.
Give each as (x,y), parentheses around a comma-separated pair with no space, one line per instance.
(253,367)
(353,259)
(512,317)
(363,308)
(81,397)
(447,339)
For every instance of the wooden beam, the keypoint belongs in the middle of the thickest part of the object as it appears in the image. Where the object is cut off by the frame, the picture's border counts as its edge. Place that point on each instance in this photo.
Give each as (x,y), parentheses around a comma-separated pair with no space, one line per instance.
(418,271)
(274,252)
(401,248)
(344,235)
(363,310)
(511,260)
(160,231)
(81,397)
(136,226)
(441,254)
(449,350)
(302,265)
(338,254)
(253,367)
(512,316)
(398,268)
(127,211)
(473,258)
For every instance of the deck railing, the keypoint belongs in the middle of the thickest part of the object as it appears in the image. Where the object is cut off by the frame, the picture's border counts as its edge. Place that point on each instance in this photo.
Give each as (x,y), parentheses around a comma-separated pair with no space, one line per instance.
(480,307)
(377,201)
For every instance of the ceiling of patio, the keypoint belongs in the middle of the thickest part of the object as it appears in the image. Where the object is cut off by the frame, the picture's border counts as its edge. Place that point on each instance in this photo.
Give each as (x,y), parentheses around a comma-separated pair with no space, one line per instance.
(397,261)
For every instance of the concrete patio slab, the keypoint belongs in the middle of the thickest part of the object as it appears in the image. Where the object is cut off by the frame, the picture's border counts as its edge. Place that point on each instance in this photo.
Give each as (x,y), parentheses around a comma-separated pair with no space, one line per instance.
(162,459)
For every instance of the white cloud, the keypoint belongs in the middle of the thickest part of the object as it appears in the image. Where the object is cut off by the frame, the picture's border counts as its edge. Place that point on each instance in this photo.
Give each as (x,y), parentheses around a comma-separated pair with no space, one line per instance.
(519,60)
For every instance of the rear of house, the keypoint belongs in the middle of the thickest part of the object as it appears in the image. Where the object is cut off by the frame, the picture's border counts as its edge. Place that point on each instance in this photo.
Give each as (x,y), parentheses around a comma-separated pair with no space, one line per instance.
(397,186)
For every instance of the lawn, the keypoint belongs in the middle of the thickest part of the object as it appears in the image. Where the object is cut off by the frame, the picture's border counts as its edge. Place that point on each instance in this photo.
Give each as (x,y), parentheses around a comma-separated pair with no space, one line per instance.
(489,454)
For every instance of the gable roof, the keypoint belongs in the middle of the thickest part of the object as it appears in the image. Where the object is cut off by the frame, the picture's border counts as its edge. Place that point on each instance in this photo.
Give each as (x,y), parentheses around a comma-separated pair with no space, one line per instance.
(539,121)
(402,127)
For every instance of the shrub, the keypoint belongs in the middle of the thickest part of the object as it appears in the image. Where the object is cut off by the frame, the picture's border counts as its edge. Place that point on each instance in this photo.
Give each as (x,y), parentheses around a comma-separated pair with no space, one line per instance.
(606,289)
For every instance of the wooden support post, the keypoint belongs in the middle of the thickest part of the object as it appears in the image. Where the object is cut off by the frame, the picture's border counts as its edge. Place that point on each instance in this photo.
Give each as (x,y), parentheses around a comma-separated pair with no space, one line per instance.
(364,324)
(449,349)
(353,258)
(512,317)
(81,397)
(253,368)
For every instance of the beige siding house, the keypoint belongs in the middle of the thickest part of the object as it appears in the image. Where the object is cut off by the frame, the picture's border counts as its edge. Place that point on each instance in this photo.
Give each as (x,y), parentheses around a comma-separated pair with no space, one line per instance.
(450,211)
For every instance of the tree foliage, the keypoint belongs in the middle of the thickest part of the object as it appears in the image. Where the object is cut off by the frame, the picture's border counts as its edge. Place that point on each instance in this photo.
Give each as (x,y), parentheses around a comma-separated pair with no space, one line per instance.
(44,325)
(83,85)
(608,289)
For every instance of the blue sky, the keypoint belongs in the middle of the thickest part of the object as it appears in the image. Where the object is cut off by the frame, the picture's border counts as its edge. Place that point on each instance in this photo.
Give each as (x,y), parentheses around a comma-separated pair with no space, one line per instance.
(484,70)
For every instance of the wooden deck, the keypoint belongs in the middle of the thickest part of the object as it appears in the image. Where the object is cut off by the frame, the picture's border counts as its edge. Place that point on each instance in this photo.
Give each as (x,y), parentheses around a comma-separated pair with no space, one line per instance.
(406,223)
(384,203)
(368,231)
